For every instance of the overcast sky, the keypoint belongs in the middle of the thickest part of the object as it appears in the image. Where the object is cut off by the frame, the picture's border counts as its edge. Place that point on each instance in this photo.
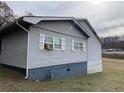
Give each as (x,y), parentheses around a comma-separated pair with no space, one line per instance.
(107,18)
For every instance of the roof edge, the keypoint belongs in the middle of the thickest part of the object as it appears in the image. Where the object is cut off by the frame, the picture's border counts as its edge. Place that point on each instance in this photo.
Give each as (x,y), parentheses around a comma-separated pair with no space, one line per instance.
(85,19)
(40,18)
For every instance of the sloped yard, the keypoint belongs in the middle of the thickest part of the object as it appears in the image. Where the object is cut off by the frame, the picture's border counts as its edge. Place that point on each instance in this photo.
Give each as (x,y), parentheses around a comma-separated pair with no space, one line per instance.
(111,79)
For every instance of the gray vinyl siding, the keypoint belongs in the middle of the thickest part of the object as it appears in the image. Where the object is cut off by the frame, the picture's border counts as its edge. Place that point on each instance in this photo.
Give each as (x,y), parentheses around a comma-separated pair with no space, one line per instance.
(14,49)
(61,27)
(42,58)
(94,51)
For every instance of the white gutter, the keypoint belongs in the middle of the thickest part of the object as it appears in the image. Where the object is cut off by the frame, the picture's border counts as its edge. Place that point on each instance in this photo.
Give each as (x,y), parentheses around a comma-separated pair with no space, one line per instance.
(27,47)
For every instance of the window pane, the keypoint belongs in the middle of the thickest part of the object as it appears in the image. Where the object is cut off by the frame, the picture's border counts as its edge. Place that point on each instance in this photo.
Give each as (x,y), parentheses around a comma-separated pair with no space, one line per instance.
(81,46)
(75,47)
(48,39)
(58,41)
(51,46)
(75,43)
(57,46)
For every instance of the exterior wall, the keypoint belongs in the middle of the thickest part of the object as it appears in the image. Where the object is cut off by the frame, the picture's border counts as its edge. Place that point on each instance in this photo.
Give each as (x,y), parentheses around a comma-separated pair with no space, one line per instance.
(14,49)
(58,71)
(94,52)
(61,26)
(42,58)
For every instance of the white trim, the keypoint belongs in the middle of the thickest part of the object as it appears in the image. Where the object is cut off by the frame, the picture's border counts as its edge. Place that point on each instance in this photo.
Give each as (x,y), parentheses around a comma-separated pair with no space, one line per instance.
(84,46)
(41,40)
(27,57)
(72,45)
(53,43)
(38,19)
(22,27)
(63,44)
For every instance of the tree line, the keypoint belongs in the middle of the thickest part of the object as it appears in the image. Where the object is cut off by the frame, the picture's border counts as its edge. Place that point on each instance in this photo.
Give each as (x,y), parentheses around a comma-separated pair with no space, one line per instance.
(114,43)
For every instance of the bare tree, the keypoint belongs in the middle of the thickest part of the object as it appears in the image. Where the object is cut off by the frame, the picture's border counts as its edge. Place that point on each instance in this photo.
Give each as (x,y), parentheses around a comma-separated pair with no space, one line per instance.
(6,13)
(113,43)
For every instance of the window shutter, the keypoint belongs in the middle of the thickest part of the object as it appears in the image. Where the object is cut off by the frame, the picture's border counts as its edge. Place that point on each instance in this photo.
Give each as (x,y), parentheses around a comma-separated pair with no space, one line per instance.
(84,46)
(63,43)
(72,45)
(41,41)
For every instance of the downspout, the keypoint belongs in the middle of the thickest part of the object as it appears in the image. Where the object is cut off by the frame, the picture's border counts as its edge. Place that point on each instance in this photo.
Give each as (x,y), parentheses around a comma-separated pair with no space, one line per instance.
(27,47)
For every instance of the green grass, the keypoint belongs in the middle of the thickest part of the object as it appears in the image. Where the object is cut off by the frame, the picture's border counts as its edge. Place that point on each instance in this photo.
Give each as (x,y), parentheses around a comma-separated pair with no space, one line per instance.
(111,79)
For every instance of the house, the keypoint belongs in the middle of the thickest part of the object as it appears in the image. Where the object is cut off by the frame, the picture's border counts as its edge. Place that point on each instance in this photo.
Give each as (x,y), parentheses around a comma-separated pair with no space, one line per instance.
(51,47)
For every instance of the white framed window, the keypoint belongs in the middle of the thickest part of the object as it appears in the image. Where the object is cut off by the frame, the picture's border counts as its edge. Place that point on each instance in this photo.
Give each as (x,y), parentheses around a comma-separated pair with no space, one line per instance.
(51,43)
(78,46)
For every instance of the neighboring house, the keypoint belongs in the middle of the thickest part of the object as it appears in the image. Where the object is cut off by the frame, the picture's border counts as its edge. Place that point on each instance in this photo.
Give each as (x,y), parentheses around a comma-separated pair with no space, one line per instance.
(51,47)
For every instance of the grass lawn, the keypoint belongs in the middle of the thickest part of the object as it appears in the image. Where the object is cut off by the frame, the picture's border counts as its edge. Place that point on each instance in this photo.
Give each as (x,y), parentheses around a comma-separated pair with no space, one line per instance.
(111,79)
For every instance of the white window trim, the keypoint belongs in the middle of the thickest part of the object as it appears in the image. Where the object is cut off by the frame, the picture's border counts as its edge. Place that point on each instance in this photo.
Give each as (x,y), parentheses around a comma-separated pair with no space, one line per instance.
(72,45)
(41,41)
(78,46)
(63,44)
(84,46)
